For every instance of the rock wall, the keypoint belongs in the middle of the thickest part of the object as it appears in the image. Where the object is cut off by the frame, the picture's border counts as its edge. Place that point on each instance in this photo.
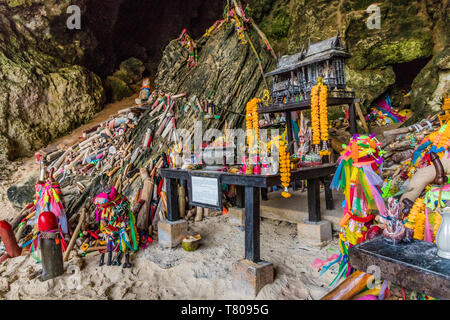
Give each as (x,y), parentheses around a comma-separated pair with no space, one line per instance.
(410,30)
(51,75)
(43,93)
(49,70)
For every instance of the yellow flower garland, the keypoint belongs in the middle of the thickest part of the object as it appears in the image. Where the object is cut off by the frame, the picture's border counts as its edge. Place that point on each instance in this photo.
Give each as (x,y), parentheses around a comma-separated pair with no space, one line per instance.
(285,168)
(252,123)
(319,116)
(416,219)
(315,115)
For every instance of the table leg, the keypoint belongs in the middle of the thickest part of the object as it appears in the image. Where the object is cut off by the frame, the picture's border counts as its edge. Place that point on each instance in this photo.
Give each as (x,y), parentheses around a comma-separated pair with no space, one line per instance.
(352,118)
(329,204)
(289,132)
(252,221)
(264,194)
(240,196)
(173,213)
(313,200)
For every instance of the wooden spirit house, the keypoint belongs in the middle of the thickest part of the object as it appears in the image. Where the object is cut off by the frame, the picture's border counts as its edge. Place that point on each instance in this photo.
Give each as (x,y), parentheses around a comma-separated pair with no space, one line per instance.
(296,74)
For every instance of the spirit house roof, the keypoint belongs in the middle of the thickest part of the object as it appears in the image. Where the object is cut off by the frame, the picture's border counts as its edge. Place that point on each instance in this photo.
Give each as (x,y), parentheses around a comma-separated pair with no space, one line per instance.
(320,51)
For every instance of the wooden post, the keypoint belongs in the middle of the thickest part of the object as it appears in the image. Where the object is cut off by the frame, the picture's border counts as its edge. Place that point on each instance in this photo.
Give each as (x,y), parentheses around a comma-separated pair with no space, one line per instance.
(289,132)
(313,200)
(361,117)
(75,235)
(252,215)
(352,118)
(182,198)
(349,287)
(147,193)
(240,196)
(264,194)
(329,204)
(173,211)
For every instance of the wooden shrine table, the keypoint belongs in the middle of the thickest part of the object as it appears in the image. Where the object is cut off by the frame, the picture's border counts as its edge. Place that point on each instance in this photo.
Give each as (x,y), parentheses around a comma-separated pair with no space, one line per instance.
(306,105)
(251,185)
(415,265)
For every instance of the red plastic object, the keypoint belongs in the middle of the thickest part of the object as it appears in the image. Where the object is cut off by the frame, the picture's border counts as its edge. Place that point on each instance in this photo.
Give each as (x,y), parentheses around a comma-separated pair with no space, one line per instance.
(373,232)
(5,225)
(47,221)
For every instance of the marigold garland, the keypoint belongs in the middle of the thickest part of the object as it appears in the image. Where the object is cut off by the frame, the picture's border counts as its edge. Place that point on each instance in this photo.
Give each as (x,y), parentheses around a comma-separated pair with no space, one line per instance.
(315,115)
(319,117)
(252,123)
(285,168)
(416,219)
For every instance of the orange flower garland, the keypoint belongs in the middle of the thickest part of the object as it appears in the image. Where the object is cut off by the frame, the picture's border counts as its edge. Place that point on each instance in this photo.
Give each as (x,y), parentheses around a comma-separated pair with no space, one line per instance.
(323,120)
(315,115)
(416,219)
(285,168)
(319,117)
(252,123)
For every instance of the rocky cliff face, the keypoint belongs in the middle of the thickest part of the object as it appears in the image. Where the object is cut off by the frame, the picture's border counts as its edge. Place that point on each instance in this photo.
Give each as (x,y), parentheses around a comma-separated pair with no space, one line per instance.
(52,76)
(411,33)
(43,93)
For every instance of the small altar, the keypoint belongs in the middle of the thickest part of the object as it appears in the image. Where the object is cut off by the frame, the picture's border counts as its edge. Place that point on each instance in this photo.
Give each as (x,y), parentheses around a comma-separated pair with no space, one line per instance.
(415,266)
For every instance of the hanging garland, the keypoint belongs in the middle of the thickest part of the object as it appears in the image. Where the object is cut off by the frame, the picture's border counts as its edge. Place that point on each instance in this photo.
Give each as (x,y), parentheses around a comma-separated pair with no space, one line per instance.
(319,117)
(252,123)
(323,120)
(315,116)
(416,219)
(285,168)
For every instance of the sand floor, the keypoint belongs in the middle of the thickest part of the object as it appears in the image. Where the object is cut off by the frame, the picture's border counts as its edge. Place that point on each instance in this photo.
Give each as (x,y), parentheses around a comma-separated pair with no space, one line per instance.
(160,273)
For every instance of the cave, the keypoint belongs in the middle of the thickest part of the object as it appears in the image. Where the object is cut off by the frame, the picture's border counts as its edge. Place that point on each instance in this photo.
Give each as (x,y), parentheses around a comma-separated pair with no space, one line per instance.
(142,28)
(407,71)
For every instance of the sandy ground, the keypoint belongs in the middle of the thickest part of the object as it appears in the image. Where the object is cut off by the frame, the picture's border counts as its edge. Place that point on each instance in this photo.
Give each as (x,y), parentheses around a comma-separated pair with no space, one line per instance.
(159,273)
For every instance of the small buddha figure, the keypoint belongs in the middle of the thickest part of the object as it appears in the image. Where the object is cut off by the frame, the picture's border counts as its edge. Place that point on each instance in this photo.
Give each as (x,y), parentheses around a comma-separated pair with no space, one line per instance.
(304,136)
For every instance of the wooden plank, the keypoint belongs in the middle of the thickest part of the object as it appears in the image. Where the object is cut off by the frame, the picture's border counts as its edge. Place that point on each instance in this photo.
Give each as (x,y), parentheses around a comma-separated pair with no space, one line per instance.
(252,220)
(303,105)
(313,200)
(415,266)
(361,117)
(260,181)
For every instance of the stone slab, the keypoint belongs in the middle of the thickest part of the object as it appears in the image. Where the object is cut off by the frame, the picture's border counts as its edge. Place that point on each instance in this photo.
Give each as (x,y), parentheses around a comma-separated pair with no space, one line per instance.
(415,266)
(169,232)
(248,277)
(314,233)
(236,216)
